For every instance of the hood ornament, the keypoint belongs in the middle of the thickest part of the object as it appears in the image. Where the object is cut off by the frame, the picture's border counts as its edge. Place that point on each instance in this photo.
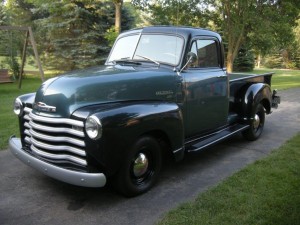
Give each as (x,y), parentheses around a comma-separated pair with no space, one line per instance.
(42,107)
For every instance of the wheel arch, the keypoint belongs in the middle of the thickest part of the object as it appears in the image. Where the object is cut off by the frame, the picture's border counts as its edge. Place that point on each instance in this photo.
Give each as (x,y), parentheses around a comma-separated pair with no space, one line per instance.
(163,140)
(127,122)
(256,93)
(266,104)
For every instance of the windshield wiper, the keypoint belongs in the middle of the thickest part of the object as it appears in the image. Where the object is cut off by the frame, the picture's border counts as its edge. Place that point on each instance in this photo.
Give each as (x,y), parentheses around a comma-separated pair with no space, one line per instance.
(123,61)
(144,57)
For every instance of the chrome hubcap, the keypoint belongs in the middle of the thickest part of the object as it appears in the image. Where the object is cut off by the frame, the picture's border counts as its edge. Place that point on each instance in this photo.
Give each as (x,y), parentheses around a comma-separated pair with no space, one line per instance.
(140,166)
(256,121)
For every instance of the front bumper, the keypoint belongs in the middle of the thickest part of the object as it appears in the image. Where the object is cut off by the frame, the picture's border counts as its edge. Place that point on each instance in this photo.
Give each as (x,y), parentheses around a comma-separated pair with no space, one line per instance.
(65,175)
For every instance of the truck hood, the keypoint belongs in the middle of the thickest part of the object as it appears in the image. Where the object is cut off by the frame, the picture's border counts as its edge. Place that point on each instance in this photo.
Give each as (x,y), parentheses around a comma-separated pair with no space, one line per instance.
(61,96)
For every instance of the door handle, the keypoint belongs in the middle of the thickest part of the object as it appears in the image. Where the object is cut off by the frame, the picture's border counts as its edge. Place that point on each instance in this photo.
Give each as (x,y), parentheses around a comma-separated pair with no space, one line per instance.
(221,76)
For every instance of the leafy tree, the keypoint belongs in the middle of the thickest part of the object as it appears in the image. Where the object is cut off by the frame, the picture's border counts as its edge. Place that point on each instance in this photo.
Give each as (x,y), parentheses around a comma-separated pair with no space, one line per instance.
(3,15)
(274,60)
(274,31)
(235,17)
(72,37)
(9,43)
(19,12)
(130,17)
(287,54)
(295,46)
(265,23)
(3,21)
(169,12)
(118,15)
(244,61)
(73,33)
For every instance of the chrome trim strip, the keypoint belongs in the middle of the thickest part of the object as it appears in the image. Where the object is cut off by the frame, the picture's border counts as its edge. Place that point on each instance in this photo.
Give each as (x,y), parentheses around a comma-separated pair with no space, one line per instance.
(65,175)
(177,150)
(57,147)
(58,156)
(205,136)
(56,129)
(57,139)
(56,120)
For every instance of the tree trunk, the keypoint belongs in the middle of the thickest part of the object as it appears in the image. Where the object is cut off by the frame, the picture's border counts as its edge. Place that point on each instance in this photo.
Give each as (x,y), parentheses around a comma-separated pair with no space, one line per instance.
(234,44)
(118,15)
(230,60)
(258,60)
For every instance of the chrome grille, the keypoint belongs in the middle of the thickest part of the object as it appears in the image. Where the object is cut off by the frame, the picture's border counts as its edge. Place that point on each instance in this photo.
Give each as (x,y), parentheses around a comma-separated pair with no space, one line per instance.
(55,139)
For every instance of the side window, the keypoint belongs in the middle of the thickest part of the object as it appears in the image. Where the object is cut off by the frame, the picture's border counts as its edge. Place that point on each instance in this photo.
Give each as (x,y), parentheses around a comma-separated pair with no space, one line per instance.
(207,54)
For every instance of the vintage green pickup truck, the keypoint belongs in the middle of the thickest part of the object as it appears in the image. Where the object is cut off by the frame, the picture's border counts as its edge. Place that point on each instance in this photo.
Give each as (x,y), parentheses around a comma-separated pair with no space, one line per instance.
(163,90)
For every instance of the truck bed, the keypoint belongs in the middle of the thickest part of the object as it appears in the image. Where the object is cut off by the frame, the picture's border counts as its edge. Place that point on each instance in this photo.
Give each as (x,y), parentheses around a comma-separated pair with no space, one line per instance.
(238,80)
(255,78)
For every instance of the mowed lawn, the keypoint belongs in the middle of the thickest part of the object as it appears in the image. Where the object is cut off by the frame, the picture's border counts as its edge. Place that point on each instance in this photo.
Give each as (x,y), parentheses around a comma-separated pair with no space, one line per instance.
(283,79)
(265,192)
(8,120)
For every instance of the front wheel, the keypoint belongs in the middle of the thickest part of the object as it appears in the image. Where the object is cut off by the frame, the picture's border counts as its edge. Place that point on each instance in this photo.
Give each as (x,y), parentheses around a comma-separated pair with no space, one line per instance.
(139,170)
(256,125)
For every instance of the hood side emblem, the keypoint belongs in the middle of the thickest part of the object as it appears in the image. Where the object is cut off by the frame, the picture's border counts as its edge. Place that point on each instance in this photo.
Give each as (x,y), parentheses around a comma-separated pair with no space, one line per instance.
(42,107)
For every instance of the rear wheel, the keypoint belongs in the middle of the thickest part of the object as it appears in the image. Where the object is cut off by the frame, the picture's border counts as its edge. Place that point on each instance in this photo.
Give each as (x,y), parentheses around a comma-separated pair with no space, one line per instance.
(256,125)
(140,169)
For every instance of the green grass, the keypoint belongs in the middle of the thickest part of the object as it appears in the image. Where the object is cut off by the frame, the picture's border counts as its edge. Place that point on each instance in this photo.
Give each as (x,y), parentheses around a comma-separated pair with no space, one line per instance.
(282,79)
(265,192)
(8,93)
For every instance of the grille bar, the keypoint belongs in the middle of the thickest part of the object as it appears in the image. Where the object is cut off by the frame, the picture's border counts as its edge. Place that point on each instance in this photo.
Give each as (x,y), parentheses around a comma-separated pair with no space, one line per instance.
(56,130)
(58,156)
(56,120)
(57,147)
(55,139)
(26,117)
(27,125)
(27,133)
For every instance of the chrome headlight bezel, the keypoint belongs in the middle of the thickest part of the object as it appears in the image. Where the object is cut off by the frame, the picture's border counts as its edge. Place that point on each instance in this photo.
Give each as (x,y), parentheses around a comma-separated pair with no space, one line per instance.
(93,127)
(18,107)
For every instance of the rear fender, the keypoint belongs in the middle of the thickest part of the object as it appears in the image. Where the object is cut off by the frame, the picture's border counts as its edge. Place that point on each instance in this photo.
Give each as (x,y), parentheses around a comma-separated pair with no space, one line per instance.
(255,94)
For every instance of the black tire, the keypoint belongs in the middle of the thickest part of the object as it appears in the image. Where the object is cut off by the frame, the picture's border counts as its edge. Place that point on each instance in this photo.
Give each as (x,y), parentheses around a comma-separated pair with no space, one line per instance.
(140,168)
(256,125)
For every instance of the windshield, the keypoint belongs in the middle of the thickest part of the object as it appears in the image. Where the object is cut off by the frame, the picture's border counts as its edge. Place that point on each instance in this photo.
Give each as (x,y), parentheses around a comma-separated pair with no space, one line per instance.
(160,48)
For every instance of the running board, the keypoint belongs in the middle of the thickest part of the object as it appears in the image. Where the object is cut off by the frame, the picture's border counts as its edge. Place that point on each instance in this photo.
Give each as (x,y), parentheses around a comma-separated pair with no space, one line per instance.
(214,138)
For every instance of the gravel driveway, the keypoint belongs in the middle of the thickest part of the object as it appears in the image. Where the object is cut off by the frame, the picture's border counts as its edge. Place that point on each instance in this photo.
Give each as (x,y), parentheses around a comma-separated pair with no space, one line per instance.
(29,197)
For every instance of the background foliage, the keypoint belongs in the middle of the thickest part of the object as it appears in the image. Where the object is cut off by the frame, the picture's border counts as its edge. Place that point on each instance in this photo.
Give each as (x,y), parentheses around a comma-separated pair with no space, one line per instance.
(75,34)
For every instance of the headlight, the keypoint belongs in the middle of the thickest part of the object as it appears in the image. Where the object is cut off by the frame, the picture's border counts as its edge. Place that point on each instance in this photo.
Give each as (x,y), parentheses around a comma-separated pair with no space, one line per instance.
(93,127)
(18,107)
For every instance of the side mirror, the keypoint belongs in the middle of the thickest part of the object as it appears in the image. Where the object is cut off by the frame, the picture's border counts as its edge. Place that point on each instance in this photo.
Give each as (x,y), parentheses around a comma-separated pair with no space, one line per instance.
(191,57)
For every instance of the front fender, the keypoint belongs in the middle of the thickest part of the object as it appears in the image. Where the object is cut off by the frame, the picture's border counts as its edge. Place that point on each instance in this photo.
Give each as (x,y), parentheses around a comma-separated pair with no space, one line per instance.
(27,99)
(124,123)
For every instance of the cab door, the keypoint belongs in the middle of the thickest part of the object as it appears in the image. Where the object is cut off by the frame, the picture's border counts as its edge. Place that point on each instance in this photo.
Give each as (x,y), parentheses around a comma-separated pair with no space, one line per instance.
(206,89)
